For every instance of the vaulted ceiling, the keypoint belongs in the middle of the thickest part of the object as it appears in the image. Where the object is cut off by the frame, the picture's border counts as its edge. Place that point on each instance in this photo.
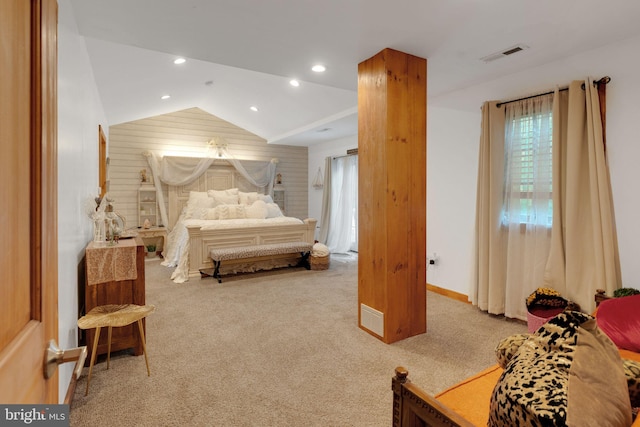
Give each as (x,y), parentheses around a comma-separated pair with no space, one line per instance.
(243,53)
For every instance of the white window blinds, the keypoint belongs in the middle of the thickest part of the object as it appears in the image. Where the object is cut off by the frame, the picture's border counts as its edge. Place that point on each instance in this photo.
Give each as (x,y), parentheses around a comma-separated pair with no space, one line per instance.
(528,160)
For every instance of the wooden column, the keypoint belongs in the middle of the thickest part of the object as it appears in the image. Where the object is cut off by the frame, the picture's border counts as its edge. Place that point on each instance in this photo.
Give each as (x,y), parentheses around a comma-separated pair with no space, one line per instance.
(392,144)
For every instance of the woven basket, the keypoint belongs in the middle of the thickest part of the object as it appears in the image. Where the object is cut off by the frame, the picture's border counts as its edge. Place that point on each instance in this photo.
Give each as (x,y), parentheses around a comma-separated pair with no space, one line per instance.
(319,262)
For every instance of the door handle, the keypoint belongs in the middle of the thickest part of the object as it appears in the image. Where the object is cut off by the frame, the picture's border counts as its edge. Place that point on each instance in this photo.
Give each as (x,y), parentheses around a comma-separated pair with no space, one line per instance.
(54,356)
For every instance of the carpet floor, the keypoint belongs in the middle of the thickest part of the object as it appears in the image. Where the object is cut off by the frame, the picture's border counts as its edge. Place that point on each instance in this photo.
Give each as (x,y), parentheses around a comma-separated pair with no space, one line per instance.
(280,348)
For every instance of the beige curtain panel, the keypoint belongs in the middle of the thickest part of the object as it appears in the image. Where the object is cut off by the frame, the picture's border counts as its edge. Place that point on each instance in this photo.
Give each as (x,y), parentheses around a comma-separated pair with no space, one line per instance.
(584,253)
(578,254)
(488,291)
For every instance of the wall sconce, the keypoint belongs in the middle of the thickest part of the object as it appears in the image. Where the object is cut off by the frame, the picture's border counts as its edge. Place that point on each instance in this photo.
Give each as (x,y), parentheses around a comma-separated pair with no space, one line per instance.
(217,147)
(318,182)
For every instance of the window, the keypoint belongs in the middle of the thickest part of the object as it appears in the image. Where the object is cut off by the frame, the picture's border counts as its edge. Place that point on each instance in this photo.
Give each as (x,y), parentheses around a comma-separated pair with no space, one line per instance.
(528,162)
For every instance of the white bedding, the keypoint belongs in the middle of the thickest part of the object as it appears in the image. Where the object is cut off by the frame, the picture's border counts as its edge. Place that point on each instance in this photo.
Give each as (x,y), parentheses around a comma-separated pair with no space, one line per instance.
(176,252)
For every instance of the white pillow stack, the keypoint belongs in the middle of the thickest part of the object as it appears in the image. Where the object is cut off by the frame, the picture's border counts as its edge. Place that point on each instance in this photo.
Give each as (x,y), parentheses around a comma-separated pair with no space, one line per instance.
(265,198)
(198,205)
(248,198)
(231,211)
(273,210)
(257,210)
(225,197)
(230,204)
(212,214)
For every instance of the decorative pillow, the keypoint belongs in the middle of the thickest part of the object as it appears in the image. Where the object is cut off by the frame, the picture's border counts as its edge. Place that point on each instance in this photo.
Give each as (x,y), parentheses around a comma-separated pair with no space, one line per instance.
(231,211)
(273,210)
(225,197)
(211,214)
(198,205)
(568,373)
(257,210)
(226,200)
(632,373)
(319,250)
(265,198)
(248,198)
(228,192)
(507,348)
(619,318)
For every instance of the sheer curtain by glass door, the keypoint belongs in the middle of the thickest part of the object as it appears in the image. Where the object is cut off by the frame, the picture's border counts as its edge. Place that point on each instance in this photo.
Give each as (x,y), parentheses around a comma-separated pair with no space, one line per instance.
(343,229)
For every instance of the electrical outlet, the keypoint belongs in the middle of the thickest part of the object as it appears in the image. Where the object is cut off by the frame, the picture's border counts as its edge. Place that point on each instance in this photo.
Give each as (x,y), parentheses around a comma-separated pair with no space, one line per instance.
(433,259)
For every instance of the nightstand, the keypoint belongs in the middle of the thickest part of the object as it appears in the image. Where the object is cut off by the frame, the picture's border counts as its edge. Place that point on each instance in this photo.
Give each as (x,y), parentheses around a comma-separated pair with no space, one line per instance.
(146,234)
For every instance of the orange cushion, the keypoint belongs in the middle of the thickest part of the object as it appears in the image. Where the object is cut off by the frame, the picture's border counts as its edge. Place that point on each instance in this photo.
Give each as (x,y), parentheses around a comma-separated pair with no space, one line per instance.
(628,354)
(470,398)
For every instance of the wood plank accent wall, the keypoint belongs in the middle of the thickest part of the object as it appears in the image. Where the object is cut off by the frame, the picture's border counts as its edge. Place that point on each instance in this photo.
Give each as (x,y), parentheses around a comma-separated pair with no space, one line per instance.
(392,90)
(186,133)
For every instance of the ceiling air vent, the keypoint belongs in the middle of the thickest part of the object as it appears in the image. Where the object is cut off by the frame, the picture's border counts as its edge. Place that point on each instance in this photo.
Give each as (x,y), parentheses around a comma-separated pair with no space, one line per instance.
(508,51)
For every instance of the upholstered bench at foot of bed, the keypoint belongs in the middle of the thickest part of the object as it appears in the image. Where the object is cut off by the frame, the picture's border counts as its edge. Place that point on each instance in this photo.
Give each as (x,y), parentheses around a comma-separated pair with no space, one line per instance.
(242,252)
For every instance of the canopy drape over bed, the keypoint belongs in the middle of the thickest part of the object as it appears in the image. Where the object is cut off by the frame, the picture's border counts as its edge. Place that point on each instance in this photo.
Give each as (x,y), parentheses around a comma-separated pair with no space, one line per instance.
(173,170)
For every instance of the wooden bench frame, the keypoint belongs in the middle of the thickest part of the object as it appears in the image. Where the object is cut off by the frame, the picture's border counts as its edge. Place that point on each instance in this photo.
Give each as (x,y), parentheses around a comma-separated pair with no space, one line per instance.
(218,255)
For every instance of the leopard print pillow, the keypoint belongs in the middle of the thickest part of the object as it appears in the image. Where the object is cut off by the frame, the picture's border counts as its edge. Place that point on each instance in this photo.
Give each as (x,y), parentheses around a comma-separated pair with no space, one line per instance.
(507,348)
(632,373)
(568,352)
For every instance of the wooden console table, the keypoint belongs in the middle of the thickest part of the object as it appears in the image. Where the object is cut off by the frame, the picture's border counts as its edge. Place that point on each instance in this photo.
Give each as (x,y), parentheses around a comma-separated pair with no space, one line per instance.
(115,275)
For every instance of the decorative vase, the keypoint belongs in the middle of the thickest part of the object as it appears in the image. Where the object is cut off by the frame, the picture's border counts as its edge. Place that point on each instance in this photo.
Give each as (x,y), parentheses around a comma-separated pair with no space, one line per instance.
(99,233)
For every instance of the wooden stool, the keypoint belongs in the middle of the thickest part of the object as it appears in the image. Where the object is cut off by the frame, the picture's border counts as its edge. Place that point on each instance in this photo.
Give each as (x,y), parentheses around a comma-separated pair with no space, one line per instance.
(110,316)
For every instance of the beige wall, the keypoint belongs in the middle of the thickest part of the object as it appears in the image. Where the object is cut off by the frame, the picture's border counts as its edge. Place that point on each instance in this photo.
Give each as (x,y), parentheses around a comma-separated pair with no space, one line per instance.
(186,133)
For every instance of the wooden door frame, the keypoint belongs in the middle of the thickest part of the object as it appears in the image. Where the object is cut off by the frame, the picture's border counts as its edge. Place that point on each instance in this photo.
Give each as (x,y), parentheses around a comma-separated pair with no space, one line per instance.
(44,194)
(102,161)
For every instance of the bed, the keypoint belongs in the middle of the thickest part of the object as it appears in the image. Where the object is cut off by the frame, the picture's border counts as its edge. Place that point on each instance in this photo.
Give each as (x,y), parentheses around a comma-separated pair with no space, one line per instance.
(470,402)
(194,232)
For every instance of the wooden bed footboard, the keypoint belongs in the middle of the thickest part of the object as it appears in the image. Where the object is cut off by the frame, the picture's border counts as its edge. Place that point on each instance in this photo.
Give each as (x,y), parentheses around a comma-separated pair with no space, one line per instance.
(202,241)
(412,407)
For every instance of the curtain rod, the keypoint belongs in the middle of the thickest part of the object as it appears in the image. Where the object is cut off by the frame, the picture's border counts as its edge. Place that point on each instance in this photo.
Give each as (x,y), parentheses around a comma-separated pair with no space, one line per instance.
(604,80)
(345,155)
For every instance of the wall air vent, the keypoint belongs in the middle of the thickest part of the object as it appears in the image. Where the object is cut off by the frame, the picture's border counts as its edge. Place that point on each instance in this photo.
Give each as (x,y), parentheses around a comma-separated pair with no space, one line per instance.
(506,52)
(512,51)
(372,319)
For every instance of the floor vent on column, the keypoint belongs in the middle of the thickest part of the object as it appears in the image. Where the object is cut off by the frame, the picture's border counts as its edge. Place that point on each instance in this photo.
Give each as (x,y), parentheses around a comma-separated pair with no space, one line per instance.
(372,319)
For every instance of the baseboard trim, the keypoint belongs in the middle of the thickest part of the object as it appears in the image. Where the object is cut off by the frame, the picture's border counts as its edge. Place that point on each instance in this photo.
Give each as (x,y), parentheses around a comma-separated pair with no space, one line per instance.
(448,293)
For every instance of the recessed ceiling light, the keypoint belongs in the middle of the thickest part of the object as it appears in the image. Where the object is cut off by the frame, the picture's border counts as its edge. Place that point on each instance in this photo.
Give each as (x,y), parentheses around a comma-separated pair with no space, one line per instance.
(179,61)
(294,82)
(253,108)
(165,97)
(319,68)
